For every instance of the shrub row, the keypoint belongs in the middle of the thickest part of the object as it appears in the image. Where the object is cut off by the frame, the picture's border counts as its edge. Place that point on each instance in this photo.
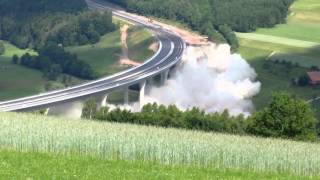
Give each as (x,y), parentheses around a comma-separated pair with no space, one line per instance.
(285,117)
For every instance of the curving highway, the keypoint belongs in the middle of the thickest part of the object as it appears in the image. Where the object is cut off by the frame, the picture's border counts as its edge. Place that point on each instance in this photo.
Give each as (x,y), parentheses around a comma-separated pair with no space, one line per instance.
(170,52)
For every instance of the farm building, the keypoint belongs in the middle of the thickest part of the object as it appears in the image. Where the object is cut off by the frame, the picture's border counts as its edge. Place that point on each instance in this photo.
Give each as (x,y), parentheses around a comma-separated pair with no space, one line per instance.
(314,77)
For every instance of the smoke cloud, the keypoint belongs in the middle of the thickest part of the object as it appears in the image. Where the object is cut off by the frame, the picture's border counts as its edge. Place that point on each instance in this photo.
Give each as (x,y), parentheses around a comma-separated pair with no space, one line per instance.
(212,79)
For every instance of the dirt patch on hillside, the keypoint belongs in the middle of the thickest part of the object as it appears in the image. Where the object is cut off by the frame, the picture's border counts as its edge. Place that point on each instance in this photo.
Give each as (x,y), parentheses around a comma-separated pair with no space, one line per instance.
(124,58)
(154,47)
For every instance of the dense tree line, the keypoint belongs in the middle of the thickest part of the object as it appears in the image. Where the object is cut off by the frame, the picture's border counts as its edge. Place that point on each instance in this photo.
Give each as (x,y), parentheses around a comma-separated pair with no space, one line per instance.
(31,24)
(207,16)
(83,29)
(285,117)
(54,60)
(25,9)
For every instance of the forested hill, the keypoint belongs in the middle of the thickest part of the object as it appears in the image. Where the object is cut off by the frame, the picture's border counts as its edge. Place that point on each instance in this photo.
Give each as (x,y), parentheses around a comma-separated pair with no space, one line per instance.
(207,15)
(25,8)
(33,23)
(48,26)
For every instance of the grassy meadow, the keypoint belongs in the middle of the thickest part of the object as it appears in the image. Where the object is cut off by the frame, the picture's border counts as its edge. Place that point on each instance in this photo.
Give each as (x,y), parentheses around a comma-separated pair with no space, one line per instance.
(296,41)
(278,40)
(17,81)
(303,23)
(38,134)
(104,55)
(276,78)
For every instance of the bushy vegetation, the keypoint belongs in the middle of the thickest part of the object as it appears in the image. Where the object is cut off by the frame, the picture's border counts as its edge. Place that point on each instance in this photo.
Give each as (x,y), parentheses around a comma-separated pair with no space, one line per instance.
(54,60)
(83,29)
(171,116)
(31,24)
(207,16)
(285,117)
(32,133)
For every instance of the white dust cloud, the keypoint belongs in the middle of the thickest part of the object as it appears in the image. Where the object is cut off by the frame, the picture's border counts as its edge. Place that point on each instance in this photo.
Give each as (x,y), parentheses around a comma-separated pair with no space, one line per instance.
(212,79)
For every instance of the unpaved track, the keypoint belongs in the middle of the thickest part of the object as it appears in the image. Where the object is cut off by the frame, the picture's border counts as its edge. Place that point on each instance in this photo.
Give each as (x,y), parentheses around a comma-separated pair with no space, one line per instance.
(124,58)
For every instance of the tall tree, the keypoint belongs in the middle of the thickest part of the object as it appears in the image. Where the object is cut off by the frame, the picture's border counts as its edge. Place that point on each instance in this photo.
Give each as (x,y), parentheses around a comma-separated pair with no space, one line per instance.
(15,59)
(90,109)
(286,117)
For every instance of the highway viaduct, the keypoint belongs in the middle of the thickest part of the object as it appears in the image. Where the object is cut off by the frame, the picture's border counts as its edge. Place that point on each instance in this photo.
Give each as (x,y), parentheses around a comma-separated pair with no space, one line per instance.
(171,48)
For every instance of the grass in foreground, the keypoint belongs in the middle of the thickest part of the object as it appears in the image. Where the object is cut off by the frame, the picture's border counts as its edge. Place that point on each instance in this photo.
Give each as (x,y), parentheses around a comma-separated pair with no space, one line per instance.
(15,165)
(31,133)
(15,80)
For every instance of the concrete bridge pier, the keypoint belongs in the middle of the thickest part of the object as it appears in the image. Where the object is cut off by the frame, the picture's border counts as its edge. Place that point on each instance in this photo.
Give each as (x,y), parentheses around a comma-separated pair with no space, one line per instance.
(126,96)
(150,81)
(164,77)
(102,101)
(142,93)
(46,111)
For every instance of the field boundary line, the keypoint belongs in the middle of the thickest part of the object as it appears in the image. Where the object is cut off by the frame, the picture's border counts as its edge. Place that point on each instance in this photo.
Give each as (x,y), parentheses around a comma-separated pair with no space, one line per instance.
(278,40)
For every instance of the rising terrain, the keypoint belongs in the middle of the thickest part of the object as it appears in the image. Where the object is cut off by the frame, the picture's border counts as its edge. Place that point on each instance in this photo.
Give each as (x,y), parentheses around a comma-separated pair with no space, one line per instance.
(295,41)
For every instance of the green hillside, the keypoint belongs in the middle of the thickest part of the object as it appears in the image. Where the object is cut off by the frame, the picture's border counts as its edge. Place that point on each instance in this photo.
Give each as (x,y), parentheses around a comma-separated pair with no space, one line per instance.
(15,80)
(296,42)
(303,23)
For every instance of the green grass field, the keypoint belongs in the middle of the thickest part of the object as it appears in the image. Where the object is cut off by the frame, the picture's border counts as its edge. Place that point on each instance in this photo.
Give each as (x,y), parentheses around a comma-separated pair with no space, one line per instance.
(306,54)
(15,165)
(278,40)
(275,79)
(296,41)
(104,55)
(173,147)
(303,23)
(17,81)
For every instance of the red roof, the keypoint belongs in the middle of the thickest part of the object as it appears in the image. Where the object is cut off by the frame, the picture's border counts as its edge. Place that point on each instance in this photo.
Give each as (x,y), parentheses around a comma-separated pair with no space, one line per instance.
(314,76)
